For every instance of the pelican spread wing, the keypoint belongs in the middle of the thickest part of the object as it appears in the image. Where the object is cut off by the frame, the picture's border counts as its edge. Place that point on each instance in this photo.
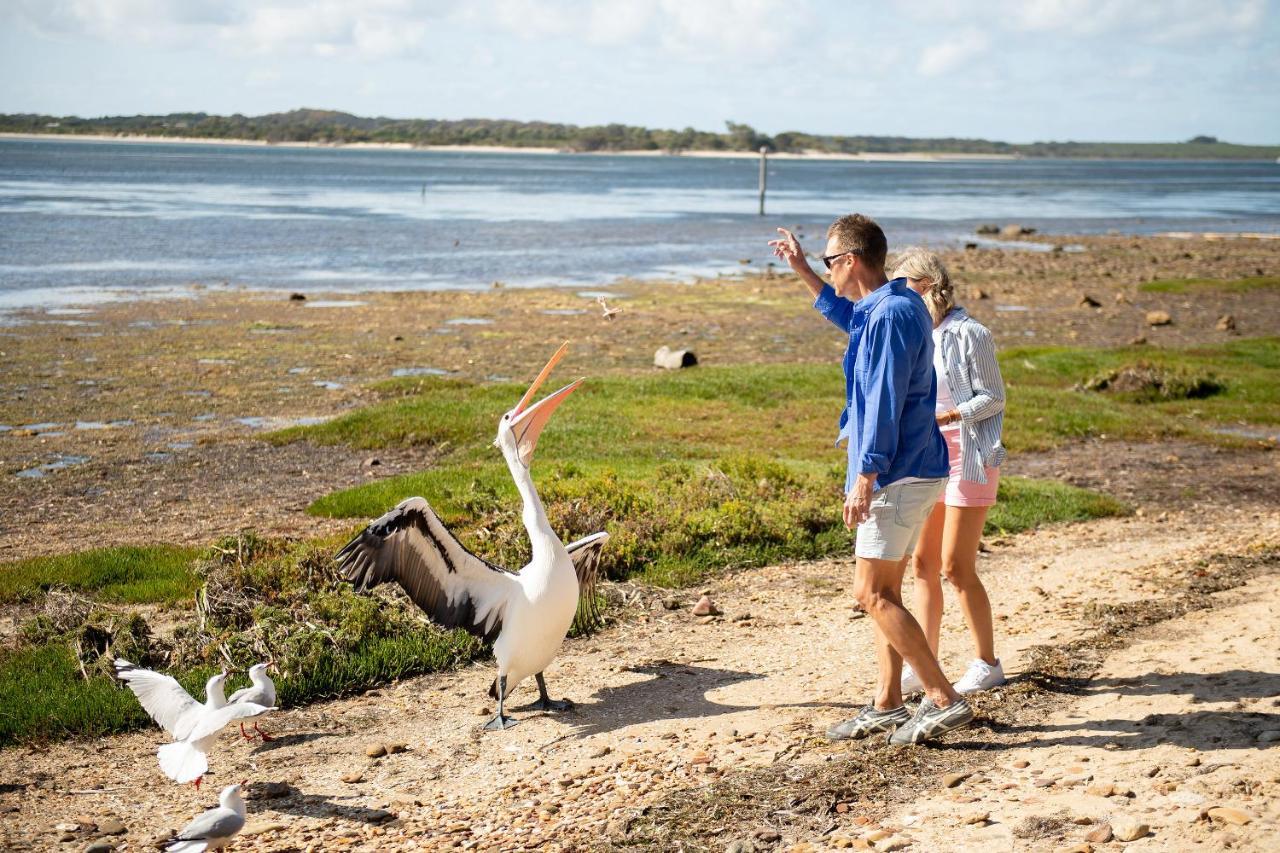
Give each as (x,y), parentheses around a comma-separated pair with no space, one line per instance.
(411,546)
(162,697)
(585,554)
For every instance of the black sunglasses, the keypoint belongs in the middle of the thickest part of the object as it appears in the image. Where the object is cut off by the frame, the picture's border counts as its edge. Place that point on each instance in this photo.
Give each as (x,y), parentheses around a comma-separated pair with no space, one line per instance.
(827,259)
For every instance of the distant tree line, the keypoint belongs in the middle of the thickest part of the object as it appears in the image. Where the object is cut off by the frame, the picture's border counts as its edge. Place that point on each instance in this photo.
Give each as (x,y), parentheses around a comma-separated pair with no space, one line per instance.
(335,128)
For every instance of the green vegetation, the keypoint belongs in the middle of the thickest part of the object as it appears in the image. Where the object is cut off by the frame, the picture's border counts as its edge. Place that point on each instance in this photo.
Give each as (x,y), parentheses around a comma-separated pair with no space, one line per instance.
(1188,285)
(1024,504)
(327,126)
(154,574)
(43,696)
(1044,409)
(261,599)
(690,472)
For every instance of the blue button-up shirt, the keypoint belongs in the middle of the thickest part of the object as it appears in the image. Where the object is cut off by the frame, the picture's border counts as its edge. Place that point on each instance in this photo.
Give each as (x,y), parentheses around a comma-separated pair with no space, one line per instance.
(890,388)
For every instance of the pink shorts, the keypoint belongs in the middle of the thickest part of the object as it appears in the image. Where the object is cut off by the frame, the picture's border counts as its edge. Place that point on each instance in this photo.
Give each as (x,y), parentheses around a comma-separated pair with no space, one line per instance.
(960,492)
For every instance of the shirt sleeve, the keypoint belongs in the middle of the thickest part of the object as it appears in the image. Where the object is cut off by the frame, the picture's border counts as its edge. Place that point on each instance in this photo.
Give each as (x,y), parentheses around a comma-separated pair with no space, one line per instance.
(835,308)
(883,378)
(984,378)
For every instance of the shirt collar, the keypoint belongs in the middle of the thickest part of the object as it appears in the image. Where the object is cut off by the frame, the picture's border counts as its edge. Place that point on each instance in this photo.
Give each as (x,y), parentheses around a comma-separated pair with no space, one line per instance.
(866,303)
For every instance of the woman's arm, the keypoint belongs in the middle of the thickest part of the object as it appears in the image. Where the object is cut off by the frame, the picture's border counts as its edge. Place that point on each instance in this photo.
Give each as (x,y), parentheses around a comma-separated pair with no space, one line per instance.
(984,376)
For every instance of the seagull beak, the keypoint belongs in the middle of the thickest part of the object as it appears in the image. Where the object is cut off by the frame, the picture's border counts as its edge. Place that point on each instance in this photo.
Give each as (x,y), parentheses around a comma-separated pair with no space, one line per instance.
(527,420)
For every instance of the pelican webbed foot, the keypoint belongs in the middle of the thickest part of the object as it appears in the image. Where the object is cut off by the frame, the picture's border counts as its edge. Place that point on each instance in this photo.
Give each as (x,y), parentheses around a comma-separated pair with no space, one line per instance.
(500,723)
(545,702)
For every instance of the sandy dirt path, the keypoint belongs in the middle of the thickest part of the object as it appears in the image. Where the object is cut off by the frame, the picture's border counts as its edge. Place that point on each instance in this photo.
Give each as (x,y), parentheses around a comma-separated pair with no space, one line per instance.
(668,705)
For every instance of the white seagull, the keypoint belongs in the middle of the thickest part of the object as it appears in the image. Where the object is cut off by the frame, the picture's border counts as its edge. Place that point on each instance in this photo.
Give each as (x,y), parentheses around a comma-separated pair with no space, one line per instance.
(525,615)
(261,691)
(194,726)
(214,829)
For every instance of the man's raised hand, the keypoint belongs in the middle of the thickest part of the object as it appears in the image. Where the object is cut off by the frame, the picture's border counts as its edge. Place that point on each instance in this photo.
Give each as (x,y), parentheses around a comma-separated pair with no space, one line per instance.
(788,248)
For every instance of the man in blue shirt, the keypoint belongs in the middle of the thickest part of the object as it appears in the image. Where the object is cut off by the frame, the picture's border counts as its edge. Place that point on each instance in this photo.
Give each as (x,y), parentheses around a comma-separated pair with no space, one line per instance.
(897,463)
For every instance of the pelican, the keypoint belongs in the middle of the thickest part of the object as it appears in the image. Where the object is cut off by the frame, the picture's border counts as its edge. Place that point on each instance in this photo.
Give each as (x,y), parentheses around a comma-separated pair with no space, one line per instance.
(194,726)
(261,691)
(525,614)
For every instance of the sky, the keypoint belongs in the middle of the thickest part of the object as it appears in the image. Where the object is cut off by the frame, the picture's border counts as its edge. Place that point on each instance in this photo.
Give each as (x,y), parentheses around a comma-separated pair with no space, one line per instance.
(1013,70)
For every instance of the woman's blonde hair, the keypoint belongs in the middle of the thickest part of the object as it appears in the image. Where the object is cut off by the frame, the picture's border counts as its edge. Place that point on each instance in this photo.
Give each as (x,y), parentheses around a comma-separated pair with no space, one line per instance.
(921,264)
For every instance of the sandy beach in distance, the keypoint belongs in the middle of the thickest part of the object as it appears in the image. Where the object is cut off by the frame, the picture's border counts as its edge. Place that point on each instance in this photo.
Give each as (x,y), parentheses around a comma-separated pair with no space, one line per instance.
(499,149)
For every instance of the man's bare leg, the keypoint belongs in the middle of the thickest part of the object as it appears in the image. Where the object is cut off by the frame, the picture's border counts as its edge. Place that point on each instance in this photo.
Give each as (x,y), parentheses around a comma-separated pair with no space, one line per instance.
(878,586)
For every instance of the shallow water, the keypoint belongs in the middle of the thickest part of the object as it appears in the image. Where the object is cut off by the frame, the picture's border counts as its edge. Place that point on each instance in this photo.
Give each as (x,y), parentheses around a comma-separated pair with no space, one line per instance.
(59,462)
(419,371)
(104,220)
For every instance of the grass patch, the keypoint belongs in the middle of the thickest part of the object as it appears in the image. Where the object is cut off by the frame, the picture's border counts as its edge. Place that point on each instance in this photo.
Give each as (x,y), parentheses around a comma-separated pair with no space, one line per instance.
(1024,504)
(150,574)
(1233,285)
(1044,410)
(43,696)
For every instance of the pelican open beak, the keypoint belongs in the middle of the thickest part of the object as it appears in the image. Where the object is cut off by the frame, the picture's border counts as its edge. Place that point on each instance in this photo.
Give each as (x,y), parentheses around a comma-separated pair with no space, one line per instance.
(528,420)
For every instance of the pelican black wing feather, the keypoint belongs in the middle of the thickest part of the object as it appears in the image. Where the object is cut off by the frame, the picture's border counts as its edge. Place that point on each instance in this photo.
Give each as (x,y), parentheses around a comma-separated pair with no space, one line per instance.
(585,554)
(410,546)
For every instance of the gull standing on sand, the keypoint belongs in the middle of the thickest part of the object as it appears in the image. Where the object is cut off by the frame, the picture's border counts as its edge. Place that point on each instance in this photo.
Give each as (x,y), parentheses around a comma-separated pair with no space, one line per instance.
(261,691)
(525,615)
(194,726)
(212,830)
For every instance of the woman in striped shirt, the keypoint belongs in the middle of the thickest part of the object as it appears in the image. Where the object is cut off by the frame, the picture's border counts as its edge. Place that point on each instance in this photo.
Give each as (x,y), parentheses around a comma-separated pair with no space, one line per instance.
(970,413)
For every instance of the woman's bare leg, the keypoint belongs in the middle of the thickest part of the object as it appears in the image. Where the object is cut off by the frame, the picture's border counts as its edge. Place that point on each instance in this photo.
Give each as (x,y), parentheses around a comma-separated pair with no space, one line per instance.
(926,562)
(960,536)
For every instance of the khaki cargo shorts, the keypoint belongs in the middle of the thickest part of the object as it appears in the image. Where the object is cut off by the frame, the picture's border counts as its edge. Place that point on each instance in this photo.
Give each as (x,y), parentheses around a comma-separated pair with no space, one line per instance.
(898,512)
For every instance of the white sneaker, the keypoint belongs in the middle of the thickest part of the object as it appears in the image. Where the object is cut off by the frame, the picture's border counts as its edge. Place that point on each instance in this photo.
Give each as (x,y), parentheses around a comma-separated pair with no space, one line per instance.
(980,676)
(911,682)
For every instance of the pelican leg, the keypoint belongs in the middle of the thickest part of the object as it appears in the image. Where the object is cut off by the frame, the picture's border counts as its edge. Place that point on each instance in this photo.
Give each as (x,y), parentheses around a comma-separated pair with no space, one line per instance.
(501,721)
(545,702)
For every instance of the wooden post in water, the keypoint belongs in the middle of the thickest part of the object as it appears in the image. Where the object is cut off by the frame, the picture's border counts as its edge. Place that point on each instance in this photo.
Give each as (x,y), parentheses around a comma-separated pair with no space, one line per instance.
(764,178)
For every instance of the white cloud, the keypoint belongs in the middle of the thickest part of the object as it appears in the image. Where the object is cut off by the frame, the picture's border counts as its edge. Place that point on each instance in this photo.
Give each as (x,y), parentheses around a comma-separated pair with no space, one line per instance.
(954,52)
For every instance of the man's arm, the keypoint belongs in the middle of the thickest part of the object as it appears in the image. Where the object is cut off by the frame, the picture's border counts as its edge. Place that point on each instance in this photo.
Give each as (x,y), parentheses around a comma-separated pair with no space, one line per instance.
(836,309)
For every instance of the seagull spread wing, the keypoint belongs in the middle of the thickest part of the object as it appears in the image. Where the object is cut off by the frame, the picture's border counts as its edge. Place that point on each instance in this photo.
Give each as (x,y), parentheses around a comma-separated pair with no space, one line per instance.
(211,722)
(211,825)
(412,547)
(162,697)
(585,554)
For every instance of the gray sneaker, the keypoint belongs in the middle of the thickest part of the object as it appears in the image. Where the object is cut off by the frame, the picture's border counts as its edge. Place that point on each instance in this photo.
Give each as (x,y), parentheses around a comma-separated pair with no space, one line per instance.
(930,721)
(869,721)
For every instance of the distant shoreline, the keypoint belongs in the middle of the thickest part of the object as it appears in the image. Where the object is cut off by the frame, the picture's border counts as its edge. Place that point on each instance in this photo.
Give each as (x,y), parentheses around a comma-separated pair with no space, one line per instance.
(904,157)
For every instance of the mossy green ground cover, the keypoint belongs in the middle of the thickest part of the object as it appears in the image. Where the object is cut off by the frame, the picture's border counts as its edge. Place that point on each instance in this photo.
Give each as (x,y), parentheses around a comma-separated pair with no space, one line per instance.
(1187,285)
(152,574)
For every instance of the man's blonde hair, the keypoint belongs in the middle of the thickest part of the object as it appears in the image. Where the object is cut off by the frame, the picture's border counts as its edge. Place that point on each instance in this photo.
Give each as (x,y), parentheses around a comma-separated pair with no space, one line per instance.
(923,265)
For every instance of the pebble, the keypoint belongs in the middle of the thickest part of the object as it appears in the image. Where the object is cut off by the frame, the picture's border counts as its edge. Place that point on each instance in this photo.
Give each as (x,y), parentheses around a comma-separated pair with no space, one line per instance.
(706,607)
(1099,835)
(483,711)
(1100,790)
(1159,318)
(1079,848)
(740,845)
(1129,830)
(396,748)
(1269,736)
(1021,765)
(375,750)
(893,842)
(262,827)
(268,790)
(353,778)
(111,826)
(100,846)
(976,817)
(1226,323)
(601,752)
(1226,814)
(951,780)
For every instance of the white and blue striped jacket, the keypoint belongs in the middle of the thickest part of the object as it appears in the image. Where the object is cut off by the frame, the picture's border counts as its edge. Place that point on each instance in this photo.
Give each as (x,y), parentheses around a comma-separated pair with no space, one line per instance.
(973,374)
